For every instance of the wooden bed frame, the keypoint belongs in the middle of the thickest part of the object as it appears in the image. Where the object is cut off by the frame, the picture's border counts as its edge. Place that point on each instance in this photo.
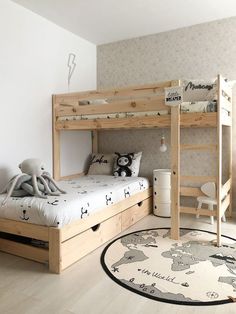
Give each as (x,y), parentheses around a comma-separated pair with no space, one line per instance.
(68,244)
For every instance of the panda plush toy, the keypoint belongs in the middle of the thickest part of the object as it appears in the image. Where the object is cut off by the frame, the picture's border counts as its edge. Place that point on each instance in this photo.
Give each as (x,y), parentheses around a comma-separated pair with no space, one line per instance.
(123,163)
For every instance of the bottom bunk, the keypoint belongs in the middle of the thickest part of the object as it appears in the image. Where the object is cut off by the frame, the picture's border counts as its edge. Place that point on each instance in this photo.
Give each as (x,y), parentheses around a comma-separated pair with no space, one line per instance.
(61,247)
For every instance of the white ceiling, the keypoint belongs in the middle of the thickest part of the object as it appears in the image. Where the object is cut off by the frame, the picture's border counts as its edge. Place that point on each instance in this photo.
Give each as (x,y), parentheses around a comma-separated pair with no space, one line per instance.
(104,21)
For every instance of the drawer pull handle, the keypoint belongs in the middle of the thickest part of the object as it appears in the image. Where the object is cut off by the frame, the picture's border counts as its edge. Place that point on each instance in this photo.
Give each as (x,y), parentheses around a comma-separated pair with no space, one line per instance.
(95,228)
(140,203)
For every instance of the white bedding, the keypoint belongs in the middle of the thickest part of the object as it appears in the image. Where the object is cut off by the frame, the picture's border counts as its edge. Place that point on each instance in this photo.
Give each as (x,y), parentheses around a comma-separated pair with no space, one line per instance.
(199,106)
(85,196)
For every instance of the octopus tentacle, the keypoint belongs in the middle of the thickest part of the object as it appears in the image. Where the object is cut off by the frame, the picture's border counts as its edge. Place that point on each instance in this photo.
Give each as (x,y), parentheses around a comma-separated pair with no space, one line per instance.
(40,185)
(35,186)
(47,189)
(27,187)
(53,182)
(50,185)
(6,188)
(24,178)
(14,182)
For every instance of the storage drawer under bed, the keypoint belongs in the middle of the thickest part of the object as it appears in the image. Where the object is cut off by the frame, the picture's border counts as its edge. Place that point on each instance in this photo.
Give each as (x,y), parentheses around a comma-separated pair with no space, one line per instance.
(17,237)
(83,243)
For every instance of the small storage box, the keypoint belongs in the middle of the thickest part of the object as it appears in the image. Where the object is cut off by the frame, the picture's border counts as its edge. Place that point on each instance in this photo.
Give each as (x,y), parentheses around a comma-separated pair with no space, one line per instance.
(162,192)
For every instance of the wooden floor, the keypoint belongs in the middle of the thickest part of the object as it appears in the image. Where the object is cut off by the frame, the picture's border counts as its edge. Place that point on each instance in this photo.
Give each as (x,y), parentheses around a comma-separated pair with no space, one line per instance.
(27,287)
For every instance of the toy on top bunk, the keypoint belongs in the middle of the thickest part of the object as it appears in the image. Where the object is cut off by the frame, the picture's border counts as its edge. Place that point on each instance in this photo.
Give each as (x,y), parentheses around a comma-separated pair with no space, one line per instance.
(33,181)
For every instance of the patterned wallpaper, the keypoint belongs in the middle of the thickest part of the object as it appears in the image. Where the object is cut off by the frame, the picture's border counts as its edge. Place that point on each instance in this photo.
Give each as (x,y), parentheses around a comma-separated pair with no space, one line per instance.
(200,51)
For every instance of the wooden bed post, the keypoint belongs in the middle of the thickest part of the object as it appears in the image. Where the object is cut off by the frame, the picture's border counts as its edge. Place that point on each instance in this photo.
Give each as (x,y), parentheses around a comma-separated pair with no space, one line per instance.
(56,143)
(219,160)
(55,250)
(175,168)
(230,158)
(95,141)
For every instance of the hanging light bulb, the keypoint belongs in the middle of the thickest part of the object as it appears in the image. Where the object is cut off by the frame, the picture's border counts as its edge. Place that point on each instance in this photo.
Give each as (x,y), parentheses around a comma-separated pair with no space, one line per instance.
(163,147)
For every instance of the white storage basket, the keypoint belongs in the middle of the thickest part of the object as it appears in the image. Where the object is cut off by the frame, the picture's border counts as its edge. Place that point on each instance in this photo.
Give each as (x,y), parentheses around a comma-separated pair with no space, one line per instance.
(162,192)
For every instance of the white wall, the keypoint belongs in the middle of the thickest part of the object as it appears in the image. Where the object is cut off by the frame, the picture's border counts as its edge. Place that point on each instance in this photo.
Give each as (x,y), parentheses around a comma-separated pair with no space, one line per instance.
(33,66)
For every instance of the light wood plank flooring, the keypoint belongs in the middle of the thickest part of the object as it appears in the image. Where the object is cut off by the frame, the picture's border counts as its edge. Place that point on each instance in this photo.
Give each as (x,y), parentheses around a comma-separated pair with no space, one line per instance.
(26,287)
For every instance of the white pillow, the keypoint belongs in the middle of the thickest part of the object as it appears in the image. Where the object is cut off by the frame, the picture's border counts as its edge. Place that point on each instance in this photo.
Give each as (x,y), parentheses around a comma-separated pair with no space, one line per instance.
(101,164)
(127,164)
(199,90)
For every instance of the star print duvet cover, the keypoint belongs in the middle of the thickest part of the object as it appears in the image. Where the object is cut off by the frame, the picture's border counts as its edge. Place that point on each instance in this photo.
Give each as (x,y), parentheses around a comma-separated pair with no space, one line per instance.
(85,195)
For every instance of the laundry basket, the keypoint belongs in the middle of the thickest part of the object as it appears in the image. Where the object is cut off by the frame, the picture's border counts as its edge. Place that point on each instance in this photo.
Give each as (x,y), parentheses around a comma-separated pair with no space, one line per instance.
(162,192)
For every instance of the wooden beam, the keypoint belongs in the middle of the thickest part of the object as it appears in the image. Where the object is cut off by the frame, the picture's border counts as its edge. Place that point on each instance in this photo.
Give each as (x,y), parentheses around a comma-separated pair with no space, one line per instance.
(164,121)
(224,205)
(118,92)
(195,211)
(207,147)
(196,119)
(55,250)
(219,160)
(156,103)
(121,123)
(56,143)
(226,188)
(72,176)
(189,191)
(175,169)
(226,104)
(198,179)
(24,250)
(24,229)
(225,88)
(95,141)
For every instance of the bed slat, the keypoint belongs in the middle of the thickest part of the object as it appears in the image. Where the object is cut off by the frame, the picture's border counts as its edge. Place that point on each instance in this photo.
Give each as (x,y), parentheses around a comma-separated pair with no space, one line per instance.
(24,250)
(24,229)
(141,105)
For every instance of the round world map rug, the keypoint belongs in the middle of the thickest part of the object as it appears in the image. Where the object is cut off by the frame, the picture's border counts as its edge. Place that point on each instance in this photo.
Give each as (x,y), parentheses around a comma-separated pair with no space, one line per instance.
(190,271)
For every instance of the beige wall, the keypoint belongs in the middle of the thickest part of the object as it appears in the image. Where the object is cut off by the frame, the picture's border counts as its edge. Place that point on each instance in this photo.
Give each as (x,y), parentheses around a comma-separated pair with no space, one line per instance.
(200,51)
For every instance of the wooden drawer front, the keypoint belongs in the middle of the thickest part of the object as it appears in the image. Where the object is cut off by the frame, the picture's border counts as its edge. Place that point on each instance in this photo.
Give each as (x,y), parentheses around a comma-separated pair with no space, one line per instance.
(87,241)
(135,213)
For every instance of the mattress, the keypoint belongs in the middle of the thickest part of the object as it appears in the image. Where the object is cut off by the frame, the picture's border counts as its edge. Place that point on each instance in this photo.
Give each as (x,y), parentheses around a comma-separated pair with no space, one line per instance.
(85,195)
(199,106)
(117,115)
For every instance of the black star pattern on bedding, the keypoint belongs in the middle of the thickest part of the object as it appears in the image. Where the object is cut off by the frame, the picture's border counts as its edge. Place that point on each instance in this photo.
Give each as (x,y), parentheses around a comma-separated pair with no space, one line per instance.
(127,192)
(84,211)
(109,199)
(141,185)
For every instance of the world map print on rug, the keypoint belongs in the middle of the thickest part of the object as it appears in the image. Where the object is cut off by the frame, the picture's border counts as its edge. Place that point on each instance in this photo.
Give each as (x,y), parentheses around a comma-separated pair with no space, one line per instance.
(191,271)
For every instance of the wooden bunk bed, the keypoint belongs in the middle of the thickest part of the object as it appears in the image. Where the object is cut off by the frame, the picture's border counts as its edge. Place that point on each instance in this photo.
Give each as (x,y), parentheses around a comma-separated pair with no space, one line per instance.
(71,242)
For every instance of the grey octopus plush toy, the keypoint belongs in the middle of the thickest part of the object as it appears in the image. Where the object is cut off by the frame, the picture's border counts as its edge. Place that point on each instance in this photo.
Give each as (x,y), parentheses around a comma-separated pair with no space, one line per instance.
(33,181)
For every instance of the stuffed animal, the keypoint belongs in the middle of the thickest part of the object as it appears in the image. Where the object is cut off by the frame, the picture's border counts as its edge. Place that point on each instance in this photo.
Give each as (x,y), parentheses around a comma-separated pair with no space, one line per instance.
(33,181)
(123,162)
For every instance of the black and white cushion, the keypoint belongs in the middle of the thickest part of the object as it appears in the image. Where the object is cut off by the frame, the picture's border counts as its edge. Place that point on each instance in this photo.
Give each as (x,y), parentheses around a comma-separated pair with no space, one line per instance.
(127,164)
(101,164)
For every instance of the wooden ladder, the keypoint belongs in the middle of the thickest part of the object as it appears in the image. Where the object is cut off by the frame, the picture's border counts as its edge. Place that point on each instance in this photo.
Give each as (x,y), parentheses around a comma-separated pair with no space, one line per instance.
(176,179)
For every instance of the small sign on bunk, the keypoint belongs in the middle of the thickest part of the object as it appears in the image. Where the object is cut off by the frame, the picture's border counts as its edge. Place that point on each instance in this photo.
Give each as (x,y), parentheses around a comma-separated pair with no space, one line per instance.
(173,95)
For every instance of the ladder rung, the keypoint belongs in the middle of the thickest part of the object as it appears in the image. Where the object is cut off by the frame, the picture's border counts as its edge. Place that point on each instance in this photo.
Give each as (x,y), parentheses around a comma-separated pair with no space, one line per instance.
(209,147)
(199,179)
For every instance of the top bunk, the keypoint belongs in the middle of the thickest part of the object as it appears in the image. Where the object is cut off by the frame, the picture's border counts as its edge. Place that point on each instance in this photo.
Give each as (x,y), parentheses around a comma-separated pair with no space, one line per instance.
(205,104)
